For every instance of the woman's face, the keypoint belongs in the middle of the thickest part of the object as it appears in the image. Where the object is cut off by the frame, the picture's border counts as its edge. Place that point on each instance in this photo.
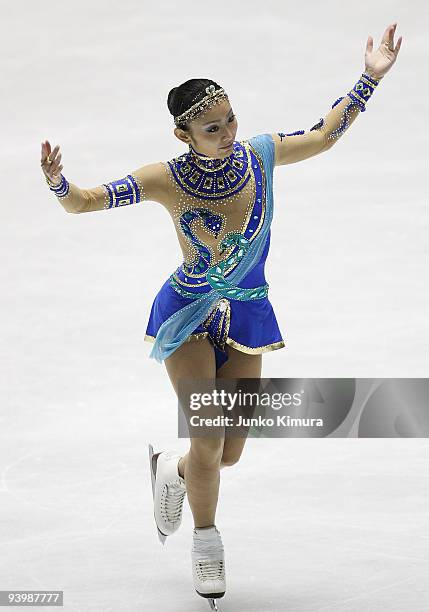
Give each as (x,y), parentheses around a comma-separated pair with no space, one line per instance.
(212,131)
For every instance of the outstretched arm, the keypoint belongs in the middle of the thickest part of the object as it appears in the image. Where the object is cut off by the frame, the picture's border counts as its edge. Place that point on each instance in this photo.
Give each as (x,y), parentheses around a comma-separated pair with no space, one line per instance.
(299,145)
(146,183)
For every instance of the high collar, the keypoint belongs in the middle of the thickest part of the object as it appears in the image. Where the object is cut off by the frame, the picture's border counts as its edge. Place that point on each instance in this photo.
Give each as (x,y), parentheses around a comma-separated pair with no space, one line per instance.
(213,177)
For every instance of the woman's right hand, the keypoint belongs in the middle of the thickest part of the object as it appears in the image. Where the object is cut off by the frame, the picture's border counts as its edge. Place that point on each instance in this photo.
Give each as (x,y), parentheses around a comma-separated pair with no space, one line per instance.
(51,167)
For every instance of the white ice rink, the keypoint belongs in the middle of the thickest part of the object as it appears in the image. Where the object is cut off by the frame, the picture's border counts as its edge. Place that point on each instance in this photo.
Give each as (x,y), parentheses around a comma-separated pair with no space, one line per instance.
(322,525)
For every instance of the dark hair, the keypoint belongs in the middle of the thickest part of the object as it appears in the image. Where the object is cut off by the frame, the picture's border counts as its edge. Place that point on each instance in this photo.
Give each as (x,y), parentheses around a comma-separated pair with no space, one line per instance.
(181,98)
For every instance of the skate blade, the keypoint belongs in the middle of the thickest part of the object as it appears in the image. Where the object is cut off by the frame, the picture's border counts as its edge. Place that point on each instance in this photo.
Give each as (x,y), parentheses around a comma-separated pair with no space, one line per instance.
(162,537)
(211,601)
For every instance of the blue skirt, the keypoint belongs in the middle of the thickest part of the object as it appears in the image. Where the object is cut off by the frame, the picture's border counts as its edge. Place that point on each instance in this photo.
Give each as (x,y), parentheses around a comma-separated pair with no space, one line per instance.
(249,326)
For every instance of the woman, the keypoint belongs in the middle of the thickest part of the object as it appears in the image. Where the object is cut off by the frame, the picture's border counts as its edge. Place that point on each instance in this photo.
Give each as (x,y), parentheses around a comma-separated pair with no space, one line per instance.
(212,317)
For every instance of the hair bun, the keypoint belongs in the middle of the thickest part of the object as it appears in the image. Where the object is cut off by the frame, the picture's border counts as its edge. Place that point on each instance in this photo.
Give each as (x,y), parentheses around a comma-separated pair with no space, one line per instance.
(181,98)
(171,100)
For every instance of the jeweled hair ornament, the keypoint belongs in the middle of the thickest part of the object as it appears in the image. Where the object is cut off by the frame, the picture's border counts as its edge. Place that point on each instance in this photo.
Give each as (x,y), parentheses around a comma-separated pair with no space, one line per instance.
(214,96)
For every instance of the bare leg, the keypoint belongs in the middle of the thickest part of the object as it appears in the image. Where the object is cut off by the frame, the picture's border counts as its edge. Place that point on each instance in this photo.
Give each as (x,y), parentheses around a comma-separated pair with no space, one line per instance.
(239,365)
(201,465)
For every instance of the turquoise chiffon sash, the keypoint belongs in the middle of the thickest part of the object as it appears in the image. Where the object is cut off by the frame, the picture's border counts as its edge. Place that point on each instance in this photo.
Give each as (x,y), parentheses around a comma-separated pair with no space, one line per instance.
(176,329)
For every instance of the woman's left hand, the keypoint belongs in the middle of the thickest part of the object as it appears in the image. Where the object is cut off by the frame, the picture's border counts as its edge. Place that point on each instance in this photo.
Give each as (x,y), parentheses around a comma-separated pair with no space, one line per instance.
(378,62)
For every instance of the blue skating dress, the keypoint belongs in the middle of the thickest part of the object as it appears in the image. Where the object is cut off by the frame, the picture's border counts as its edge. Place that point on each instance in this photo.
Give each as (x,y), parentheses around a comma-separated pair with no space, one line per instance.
(222,210)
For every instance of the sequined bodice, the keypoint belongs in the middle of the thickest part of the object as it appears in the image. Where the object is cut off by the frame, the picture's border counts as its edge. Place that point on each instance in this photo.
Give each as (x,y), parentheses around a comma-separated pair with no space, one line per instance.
(211,204)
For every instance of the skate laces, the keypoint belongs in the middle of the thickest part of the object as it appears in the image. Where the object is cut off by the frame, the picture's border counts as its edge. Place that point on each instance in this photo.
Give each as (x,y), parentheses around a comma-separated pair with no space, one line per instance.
(208,564)
(173,495)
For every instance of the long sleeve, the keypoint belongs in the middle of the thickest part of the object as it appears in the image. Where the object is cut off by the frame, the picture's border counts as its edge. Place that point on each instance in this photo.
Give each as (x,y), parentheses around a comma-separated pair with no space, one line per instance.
(146,183)
(333,125)
(299,145)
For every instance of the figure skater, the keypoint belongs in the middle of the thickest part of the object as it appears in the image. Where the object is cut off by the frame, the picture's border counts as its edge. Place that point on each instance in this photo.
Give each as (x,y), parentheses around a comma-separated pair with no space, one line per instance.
(212,317)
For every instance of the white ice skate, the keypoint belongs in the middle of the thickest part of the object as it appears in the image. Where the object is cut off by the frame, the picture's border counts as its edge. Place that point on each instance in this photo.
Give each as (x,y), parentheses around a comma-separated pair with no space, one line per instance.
(168,491)
(208,564)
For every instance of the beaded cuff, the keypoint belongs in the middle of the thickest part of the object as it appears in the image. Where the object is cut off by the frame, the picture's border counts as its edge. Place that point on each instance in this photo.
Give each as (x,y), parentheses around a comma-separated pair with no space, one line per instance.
(122,192)
(61,190)
(363,90)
